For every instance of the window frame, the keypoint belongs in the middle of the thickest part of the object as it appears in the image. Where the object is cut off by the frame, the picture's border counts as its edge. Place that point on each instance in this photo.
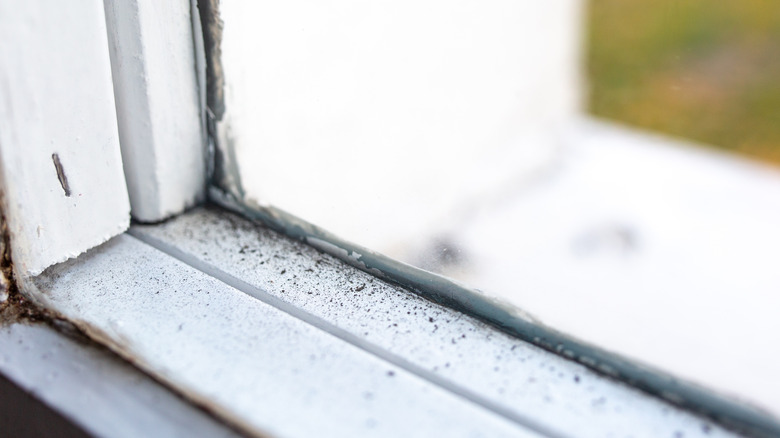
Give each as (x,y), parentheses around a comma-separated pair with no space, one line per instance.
(218,163)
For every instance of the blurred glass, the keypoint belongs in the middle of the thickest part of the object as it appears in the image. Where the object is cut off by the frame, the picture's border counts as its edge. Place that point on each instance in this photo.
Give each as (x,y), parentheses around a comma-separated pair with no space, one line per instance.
(459,136)
(704,70)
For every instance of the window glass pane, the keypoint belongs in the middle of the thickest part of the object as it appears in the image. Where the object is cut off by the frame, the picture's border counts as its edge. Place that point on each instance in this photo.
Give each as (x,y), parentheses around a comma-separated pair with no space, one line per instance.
(607,166)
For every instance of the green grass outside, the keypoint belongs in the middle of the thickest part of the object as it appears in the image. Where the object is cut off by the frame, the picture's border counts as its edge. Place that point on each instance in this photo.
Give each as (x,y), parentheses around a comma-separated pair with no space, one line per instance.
(707,70)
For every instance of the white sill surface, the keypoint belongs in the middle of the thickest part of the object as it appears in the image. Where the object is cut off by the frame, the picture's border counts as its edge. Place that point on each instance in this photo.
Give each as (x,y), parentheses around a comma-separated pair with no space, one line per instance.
(280,339)
(262,369)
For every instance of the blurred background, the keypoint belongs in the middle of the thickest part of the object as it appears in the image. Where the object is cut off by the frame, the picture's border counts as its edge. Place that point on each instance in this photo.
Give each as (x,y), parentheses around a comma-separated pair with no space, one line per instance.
(704,70)
(608,166)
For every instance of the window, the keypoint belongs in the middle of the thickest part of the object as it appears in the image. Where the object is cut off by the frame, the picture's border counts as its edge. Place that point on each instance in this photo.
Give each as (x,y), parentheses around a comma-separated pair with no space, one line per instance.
(263,329)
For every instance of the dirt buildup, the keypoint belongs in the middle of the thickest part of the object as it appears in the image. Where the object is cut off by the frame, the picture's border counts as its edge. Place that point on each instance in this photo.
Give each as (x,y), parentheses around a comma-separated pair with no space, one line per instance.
(13,306)
(17,308)
(7,283)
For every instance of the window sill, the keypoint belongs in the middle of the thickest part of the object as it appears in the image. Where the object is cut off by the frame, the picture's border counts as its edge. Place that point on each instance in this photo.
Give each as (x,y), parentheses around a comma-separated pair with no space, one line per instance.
(281,339)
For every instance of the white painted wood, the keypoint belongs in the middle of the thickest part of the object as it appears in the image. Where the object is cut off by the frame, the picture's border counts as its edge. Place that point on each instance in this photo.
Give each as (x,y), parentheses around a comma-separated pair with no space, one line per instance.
(97,390)
(510,376)
(56,98)
(260,367)
(158,104)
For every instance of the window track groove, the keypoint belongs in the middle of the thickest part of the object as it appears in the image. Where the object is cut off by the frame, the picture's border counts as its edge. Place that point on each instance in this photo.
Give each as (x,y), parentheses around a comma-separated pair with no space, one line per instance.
(345,336)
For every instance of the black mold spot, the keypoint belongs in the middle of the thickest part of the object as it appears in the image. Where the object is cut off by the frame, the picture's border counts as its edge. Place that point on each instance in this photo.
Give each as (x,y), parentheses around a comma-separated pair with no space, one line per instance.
(61,174)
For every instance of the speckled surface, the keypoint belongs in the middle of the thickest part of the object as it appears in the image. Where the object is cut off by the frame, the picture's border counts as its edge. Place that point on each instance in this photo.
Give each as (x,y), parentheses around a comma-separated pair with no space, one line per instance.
(517,379)
(262,369)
